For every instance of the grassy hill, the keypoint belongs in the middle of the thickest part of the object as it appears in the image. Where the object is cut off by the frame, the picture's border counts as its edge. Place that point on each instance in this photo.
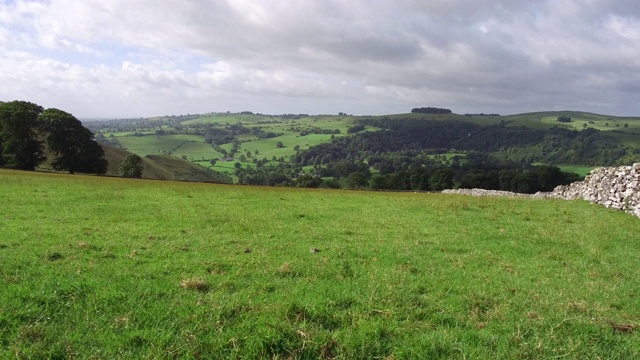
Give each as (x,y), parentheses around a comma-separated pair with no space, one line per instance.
(164,167)
(189,140)
(626,129)
(96,267)
(158,167)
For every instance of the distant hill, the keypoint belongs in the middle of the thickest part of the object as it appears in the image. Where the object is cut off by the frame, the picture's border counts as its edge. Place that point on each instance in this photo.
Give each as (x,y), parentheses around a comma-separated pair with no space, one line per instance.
(165,167)
(427,149)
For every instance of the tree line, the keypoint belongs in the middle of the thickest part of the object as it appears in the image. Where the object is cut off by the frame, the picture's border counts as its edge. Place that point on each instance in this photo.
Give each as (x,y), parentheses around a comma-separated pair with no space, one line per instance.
(431,110)
(418,173)
(25,129)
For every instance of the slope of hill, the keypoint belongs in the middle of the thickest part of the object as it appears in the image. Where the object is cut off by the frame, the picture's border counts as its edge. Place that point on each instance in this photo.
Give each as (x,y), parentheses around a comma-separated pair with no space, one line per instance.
(540,120)
(164,167)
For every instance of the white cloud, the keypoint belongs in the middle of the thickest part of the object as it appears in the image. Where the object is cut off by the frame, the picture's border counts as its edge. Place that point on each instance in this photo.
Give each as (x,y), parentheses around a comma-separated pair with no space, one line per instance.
(136,58)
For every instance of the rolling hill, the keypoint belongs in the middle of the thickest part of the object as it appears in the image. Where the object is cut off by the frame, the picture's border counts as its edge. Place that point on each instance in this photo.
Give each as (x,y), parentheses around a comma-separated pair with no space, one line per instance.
(162,167)
(276,149)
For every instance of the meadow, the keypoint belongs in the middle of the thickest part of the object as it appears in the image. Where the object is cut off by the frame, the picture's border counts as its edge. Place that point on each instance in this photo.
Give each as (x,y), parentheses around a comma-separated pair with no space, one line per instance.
(106,268)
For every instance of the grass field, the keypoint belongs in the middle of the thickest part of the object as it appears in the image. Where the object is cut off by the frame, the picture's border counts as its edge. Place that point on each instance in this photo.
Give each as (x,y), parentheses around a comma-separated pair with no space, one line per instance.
(578,169)
(113,268)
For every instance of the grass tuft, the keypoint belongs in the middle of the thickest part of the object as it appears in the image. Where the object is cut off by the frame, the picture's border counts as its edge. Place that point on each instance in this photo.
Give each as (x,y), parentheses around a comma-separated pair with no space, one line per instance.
(195,283)
(54,256)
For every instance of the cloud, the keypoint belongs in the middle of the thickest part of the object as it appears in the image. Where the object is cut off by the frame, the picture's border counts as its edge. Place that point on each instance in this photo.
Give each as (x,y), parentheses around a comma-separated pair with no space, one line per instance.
(141,58)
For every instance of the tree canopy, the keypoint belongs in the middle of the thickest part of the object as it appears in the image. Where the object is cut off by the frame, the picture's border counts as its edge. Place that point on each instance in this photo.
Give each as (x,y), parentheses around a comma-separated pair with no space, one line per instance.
(21,148)
(23,125)
(431,110)
(72,143)
(131,166)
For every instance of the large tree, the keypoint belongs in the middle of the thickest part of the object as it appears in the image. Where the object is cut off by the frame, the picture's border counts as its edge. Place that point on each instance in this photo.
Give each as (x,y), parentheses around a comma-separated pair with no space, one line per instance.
(21,148)
(72,144)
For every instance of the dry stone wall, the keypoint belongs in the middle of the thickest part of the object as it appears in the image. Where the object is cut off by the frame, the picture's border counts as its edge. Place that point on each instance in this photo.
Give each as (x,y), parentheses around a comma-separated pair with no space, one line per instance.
(484,192)
(616,188)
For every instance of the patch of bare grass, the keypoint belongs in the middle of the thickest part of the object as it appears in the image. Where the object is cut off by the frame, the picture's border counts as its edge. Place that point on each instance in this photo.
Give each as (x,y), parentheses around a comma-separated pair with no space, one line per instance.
(195,283)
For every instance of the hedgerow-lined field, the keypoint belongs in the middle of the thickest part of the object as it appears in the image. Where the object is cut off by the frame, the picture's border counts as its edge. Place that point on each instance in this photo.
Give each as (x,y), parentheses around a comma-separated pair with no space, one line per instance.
(195,149)
(95,267)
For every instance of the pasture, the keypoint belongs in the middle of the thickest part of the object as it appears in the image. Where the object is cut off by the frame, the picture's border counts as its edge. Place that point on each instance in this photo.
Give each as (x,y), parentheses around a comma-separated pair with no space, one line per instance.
(187,144)
(105,268)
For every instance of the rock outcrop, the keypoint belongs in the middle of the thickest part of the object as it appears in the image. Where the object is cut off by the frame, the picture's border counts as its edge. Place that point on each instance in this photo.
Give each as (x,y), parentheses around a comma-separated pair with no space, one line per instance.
(616,188)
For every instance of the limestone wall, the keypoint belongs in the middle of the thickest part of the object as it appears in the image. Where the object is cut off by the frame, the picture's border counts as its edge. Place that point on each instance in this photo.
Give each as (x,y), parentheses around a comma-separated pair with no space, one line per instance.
(615,187)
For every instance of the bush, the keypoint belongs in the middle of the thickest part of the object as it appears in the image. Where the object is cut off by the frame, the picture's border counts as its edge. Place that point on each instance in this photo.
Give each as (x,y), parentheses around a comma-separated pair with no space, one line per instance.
(131,166)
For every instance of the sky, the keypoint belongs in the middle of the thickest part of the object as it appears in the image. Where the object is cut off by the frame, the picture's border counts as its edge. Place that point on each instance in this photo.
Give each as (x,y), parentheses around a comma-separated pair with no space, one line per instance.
(142,58)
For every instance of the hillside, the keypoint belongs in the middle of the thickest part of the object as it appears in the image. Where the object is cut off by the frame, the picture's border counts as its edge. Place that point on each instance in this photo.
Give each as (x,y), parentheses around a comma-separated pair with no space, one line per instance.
(120,268)
(164,167)
(385,152)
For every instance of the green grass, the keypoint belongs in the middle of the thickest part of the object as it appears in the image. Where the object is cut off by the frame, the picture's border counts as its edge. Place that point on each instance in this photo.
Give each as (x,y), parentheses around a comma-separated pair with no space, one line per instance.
(195,149)
(154,145)
(224,119)
(547,119)
(578,169)
(113,268)
(581,170)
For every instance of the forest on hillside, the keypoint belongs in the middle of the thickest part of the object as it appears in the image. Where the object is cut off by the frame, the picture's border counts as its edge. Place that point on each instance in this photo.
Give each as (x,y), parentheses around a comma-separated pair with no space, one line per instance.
(523,145)
(407,154)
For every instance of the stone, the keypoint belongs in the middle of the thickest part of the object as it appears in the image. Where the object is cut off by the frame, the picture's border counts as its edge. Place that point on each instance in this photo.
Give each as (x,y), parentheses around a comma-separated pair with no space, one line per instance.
(616,188)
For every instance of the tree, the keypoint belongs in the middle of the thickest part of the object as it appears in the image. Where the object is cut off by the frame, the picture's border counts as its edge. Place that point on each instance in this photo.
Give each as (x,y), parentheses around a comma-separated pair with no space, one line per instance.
(441,179)
(131,166)
(357,180)
(21,148)
(279,145)
(308,181)
(73,144)
(355,129)
(213,162)
(379,182)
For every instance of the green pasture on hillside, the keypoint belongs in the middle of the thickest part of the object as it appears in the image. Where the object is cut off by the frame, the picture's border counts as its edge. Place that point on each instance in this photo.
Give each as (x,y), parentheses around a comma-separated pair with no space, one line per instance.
(107,268)
(233,118)
(154,144)
(195,148)
(578,169)
(549,119)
